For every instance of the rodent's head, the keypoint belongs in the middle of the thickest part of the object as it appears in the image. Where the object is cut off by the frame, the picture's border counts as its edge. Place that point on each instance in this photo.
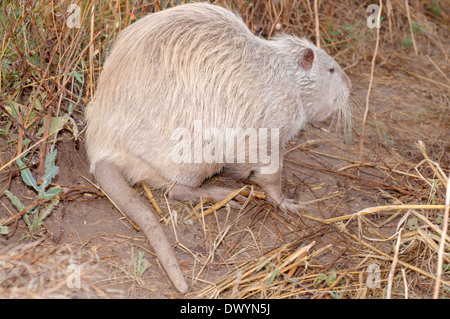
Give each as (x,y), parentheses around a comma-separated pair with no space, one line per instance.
(323,86)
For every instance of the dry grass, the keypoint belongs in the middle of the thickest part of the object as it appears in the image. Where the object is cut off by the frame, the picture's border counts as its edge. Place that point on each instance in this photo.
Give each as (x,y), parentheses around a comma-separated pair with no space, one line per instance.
(36,270)
(374,204)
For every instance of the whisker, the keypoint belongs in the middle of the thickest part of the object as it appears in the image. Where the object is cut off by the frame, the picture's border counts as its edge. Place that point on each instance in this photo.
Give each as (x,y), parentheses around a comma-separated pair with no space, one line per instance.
(341,121)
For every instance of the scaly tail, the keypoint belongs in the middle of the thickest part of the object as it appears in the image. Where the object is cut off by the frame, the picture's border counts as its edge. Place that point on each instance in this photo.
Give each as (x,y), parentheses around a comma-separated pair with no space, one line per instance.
(128,200)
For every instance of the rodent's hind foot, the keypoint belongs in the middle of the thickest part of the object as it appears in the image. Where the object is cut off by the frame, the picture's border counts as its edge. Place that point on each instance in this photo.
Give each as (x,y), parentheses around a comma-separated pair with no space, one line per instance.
(292,206)
(287,205)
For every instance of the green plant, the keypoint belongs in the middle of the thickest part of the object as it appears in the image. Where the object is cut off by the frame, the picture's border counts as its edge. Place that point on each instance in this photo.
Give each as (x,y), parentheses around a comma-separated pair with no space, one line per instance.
(140,264)
(35,215)
(3,229)
(329,279)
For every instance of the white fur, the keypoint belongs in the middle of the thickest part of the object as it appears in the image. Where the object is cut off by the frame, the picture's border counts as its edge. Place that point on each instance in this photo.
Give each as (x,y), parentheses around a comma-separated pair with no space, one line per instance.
(200,62)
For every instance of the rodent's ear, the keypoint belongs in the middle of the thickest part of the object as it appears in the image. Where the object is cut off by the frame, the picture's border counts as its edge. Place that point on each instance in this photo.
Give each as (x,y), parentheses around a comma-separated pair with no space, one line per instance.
(307,59)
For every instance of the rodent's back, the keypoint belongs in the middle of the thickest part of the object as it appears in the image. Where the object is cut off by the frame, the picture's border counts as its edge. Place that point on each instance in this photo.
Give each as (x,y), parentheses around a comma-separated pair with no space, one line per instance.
(187,43)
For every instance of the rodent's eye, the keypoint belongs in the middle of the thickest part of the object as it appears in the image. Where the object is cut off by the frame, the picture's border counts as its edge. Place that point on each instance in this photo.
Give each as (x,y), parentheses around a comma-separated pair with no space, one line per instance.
(331,70)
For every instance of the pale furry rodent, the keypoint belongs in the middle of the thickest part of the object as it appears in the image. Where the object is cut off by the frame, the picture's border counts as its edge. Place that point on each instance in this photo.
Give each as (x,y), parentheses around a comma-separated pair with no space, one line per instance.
(199,62)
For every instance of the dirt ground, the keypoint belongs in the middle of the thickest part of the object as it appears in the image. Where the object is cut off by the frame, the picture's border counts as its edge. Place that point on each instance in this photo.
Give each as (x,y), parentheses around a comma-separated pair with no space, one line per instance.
(87,249)
(89,224)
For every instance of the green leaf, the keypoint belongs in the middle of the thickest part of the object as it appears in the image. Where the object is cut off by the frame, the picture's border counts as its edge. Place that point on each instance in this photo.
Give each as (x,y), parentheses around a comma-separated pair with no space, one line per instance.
(140,264)
(15,201)
(49,174)
(413,223)
(71,108)
(56,124)
(26,142)
(335,295)
(6,63)
(331,278)
(3,229)
(272,276)
(50,170)
(27,177)
(321,277)
(348,27)
(38,218)
(78,76)
(14,110)
(264,263)
(51,192)
(26,218)
(50,159)
(38,105)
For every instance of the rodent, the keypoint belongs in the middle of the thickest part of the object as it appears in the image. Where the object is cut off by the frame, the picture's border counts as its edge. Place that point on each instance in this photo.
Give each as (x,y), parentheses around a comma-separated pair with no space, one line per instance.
(199,64)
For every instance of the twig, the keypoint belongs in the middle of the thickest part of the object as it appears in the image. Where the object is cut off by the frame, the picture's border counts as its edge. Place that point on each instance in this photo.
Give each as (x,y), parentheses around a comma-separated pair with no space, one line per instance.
(442,243)
(384,255)
(405,282)
(372,70)
(91,54)
(23,211)
(421,147)
(431,225)
(222,203)
(334,284)
(370,210)
(316,18)
(438,68)
(171,213)
(31,137)
(43,146)
(411,27)
(152,200)
(440,83)
(394,265)
(24,152)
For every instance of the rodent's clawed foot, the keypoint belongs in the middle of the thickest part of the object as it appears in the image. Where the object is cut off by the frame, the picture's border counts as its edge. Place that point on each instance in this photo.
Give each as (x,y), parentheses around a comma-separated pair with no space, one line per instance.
(288,205)
(291,206)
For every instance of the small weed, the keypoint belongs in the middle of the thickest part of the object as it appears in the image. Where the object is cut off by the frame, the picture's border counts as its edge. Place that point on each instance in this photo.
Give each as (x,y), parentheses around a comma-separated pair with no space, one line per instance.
(413,223)
(329,279)
(406,42)
(3,229)
(435,8)
(34,216)
(140,264)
